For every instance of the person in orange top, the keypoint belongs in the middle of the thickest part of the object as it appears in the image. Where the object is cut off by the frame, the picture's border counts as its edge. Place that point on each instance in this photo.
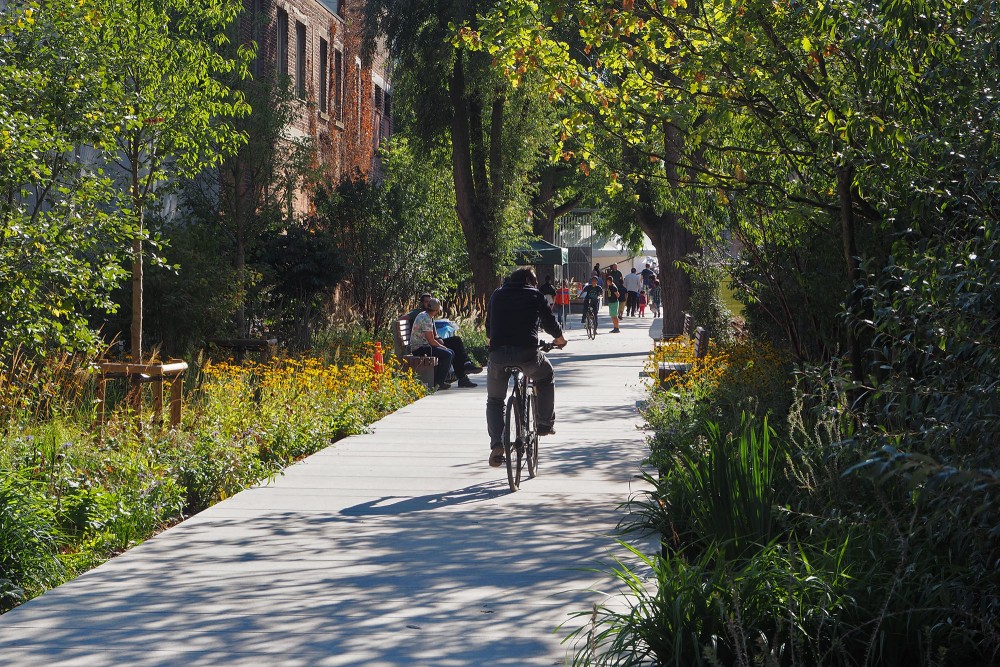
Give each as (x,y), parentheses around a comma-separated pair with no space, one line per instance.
(562,302)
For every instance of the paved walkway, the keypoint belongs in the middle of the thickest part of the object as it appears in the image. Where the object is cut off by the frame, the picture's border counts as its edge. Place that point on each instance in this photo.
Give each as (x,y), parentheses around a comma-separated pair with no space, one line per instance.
(399,547)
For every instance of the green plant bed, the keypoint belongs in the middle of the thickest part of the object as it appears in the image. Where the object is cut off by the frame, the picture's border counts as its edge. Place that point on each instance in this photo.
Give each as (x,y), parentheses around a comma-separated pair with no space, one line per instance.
(69,500)
(785,542)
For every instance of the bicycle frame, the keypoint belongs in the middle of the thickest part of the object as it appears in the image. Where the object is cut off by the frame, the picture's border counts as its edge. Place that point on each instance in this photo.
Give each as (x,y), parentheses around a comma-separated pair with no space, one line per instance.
(520,436)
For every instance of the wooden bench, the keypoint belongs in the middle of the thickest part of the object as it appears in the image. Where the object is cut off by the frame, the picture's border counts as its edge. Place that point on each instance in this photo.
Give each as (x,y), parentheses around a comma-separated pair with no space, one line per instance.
(266,347)
(153,374)
(423,367)
(685,331)
(669,369)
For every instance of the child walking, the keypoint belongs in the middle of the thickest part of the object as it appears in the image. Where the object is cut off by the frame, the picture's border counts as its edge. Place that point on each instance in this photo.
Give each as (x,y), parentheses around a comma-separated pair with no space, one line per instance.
(642,303)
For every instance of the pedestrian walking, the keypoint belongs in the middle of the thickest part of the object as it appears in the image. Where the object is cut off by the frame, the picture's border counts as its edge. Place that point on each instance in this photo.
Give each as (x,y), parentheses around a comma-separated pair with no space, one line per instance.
(633,283)
(655,297)
(614,301)
(562,302)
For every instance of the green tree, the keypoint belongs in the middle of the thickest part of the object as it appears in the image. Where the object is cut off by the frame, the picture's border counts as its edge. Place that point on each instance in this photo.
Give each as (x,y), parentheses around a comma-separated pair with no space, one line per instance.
(161,69)
(494,130)
(248,193)
(60,240)
(400,235)
(302,266)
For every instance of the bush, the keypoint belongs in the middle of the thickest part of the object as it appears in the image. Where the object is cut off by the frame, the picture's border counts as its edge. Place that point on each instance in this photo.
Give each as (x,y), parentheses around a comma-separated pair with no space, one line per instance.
(778,606)
(781,548)
(29,540)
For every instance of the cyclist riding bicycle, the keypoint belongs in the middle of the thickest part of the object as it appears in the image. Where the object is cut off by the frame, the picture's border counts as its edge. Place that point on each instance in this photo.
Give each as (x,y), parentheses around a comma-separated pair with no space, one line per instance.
(591,295)
(512,318)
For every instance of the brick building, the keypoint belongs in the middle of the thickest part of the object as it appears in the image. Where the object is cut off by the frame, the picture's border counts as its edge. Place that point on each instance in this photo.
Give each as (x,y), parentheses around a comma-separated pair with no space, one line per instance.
(346,103)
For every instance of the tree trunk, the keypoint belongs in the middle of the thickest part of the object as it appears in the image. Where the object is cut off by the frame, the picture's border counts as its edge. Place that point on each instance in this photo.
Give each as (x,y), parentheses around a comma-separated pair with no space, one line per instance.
(672,242)
(845,178)
(137,267)
(476,226)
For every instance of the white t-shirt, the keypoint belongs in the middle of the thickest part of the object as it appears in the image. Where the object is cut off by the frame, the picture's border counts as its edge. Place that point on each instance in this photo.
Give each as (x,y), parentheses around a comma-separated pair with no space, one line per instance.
(422,323)
(633,282)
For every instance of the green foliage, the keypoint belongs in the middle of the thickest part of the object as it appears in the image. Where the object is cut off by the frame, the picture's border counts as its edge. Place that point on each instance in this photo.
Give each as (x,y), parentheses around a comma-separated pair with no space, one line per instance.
(162,65)
(708,309)
(60,247)
(242,201)
(196,293)
(475,340)
(302,267)
(28,540)
(778,606)
(400,236)
(69,499)
(493,130)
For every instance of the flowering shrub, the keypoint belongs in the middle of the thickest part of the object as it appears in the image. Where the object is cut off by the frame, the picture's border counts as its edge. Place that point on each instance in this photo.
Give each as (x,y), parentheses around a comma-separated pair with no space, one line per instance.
(84,498)
(745,377)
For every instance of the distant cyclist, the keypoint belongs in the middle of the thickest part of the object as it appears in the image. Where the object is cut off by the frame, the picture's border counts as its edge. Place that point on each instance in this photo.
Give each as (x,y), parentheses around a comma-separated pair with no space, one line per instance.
(591,295)
(512,318)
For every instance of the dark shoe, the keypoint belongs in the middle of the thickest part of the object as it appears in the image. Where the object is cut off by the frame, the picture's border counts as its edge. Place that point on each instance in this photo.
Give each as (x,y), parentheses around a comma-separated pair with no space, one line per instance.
(496,456)
(551,430)
(441,386)
(472,368)
(466,383)
(616,330)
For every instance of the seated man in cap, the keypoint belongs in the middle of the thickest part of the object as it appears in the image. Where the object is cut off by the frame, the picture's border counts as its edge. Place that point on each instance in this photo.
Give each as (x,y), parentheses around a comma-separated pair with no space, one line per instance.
(461,362)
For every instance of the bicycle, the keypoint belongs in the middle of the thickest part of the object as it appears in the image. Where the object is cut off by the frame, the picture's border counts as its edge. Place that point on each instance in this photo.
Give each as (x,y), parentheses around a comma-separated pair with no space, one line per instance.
(590,321)
(520,432)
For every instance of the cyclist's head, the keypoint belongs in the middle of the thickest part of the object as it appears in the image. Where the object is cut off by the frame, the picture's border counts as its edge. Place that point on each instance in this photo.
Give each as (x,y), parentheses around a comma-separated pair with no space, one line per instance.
(593,280)
(524,276)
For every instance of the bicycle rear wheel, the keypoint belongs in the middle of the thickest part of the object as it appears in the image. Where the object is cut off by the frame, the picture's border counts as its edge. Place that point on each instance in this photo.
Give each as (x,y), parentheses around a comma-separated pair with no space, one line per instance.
(531,431)
(513,442)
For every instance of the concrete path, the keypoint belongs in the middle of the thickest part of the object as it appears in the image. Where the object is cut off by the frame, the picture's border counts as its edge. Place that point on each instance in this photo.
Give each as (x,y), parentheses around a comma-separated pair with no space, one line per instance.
(399,547)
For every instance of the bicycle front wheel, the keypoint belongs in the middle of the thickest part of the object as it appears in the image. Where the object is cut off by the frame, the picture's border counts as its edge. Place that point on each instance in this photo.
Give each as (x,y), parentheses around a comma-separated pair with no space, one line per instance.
(591,327)
(513,443)
(531,431)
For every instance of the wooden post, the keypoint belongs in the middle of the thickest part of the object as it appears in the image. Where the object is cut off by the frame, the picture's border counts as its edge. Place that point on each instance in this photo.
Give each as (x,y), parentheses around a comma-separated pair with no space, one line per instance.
(176,397)
(157,387)
(102,390)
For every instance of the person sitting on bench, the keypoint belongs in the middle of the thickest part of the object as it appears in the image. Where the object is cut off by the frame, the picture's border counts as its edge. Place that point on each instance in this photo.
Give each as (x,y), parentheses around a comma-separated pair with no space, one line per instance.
(425,342)
(454,343)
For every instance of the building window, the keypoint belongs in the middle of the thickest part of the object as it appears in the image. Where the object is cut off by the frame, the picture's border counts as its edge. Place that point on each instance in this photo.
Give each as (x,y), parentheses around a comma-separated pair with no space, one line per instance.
(300,60)
(324,75)
(282,42)
(257,19)
(357,93)
(378,115)
(338,83)
(385,122)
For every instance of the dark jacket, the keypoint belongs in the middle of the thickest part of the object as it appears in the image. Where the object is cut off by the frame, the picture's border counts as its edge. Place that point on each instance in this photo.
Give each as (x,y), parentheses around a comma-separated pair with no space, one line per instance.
(513,316)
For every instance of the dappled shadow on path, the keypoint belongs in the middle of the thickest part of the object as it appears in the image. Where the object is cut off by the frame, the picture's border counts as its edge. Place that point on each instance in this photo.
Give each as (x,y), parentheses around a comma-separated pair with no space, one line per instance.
(317,588)
(440,570)
(404,504)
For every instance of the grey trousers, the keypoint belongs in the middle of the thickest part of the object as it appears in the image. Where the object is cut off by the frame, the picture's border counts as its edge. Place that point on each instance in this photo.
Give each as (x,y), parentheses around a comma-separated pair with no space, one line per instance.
(537,367)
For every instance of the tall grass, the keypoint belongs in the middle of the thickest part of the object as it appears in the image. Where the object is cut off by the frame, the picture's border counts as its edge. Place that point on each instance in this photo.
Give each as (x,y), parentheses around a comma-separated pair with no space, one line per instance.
(783,543)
